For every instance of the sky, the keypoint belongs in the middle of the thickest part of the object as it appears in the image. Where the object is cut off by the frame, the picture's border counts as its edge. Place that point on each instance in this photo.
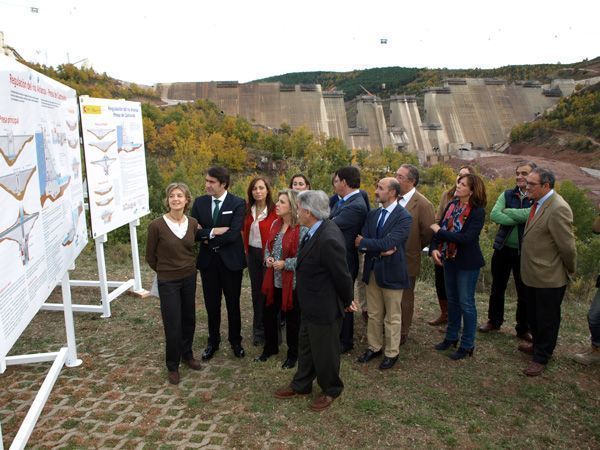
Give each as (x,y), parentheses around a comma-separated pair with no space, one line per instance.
(185,40)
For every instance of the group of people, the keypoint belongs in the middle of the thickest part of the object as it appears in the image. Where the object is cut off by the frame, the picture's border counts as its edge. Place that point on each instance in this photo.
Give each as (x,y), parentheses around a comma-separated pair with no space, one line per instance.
(305,252)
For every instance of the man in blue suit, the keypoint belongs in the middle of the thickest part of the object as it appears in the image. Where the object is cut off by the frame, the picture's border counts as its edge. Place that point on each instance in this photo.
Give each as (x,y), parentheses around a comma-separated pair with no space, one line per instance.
(348,213)
(383,241)
(221,259)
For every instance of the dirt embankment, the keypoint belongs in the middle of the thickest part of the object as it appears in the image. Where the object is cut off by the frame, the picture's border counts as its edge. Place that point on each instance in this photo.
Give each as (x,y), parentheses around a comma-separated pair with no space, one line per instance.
(504,166)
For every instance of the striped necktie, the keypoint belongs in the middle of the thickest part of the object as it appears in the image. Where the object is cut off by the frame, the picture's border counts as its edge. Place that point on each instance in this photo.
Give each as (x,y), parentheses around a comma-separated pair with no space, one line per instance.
(380,223)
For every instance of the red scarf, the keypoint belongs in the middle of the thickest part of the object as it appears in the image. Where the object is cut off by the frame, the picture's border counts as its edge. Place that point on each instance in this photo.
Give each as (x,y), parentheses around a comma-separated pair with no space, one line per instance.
(289,250)
(454,220)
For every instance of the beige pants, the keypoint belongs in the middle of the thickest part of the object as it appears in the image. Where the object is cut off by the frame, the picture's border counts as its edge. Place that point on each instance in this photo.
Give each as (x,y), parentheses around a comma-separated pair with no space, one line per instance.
(385,312)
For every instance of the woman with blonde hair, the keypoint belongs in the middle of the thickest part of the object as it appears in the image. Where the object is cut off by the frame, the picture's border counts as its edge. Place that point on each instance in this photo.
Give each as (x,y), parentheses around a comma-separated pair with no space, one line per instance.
(170,252)
(279,284)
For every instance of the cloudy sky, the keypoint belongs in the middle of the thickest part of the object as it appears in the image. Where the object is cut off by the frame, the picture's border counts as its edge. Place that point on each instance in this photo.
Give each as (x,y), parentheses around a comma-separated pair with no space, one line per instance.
(178,40)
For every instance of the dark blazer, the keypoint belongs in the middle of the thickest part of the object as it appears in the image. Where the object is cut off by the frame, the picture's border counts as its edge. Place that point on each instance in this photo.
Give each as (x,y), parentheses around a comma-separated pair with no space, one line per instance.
(468,253)
(323,283)
(229,245)
(390,271)
(350,217)
(334,199)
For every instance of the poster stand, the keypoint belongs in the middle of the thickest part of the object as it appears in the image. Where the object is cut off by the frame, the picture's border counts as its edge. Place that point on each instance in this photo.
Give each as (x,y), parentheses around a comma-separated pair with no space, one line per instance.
(134,284)
(66,356)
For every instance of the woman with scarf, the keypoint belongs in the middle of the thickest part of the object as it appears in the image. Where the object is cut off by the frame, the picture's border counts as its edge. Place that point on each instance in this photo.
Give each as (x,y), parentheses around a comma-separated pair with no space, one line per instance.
(455,245)
(280,278)
(440,283)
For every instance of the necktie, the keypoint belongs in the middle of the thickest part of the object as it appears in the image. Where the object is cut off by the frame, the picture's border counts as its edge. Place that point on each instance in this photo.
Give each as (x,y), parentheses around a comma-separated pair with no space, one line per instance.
(380,223)
(304,240)
(216,211)
(532,212)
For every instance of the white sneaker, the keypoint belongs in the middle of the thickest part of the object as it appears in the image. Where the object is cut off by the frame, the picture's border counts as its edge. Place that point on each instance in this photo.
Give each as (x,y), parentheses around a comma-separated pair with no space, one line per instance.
(590,356)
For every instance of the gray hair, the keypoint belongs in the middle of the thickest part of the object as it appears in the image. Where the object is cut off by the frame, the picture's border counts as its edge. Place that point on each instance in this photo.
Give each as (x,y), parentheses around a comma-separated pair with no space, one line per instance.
(315,202)
(413,173)
(546,176)
(531,164)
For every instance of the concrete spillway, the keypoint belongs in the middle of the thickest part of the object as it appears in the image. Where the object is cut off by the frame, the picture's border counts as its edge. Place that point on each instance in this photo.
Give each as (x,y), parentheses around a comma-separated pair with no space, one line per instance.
(463,113)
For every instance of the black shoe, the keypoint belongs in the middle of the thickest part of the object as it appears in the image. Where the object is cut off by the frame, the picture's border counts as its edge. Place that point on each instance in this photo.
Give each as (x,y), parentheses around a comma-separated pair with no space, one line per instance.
(262,357)
(209,352)
(461,353)
(238,350)
(445,345)
(388,362)
(289,363)
(368,356)
(345,348)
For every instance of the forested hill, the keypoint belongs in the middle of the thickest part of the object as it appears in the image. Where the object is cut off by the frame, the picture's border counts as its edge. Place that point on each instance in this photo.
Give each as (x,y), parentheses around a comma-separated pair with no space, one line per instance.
(86,81)
(386,81)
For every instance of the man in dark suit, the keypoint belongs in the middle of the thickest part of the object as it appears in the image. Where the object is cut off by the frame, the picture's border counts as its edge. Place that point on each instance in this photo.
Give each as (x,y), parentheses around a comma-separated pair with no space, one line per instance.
(324,290)
(348,213)
(221,258)
(423,215)
(383,240)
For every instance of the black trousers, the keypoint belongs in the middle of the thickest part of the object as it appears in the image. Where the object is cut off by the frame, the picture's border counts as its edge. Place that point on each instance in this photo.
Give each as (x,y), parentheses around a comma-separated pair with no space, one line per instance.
(543,308)
(440,282)
(504,261)
(256,271)
(319,357)
(272,328)
(178,310)
(347,331)
(216,281)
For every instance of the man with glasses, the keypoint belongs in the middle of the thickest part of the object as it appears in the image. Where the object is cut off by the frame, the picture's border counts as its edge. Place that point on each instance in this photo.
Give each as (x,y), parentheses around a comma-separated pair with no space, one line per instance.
(548,256)
(506,257)
(423,215)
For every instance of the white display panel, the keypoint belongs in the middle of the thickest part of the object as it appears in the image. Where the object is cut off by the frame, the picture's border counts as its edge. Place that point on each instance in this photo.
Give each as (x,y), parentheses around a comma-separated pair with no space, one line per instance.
(42,220)
(115,162)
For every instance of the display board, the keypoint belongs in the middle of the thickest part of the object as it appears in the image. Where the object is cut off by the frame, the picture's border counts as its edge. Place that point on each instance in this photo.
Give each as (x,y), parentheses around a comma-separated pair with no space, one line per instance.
(115,162)
(42,224)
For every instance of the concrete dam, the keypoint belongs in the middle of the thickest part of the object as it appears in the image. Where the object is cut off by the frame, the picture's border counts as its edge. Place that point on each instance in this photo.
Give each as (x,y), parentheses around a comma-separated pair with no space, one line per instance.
(464,113)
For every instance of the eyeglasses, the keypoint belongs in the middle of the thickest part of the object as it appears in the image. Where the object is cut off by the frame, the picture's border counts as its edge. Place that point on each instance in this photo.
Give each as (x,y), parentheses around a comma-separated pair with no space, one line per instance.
(532,184)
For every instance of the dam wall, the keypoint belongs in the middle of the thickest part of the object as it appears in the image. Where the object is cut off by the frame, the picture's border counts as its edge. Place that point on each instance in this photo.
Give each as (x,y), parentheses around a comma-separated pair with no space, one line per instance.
(482,112)
(463,113)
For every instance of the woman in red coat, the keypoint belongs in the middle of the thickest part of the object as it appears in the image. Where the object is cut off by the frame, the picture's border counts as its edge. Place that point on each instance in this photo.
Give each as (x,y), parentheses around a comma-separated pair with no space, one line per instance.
(260,214)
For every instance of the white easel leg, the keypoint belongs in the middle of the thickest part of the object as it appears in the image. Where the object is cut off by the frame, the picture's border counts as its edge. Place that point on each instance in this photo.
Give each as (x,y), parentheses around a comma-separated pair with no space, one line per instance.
(99,242)
(72,360)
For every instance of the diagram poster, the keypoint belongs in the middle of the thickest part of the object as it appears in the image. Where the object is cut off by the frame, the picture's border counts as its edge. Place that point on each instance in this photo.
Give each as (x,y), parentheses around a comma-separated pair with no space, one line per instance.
(115,162)
(42,224)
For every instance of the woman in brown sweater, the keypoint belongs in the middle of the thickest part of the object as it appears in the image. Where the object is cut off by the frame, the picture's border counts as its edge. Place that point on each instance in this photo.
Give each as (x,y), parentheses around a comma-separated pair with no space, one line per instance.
(170,253)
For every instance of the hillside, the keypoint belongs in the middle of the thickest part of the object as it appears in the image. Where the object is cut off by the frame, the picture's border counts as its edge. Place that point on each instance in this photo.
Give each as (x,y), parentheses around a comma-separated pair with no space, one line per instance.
(386,81)
(569,132)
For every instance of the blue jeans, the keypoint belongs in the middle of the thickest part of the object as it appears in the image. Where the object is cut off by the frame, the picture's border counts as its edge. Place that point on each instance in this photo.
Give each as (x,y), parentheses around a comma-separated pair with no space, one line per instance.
(460,290)
(594,319)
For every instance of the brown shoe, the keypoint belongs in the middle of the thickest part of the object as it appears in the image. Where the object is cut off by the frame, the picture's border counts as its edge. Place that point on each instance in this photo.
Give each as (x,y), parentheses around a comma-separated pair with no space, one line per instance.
(192,363)
(534,369)
(322,402)
(488,326)
(526,347)
(441,320)
(526,336)
(173,376)
(286,392)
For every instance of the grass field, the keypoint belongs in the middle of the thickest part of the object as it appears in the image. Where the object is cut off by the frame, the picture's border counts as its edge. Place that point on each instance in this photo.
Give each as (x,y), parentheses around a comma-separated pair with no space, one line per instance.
(120,398)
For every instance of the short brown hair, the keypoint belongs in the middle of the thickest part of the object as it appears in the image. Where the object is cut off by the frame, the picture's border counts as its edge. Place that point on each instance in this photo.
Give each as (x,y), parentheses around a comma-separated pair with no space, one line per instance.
(478,199)
(186,192)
